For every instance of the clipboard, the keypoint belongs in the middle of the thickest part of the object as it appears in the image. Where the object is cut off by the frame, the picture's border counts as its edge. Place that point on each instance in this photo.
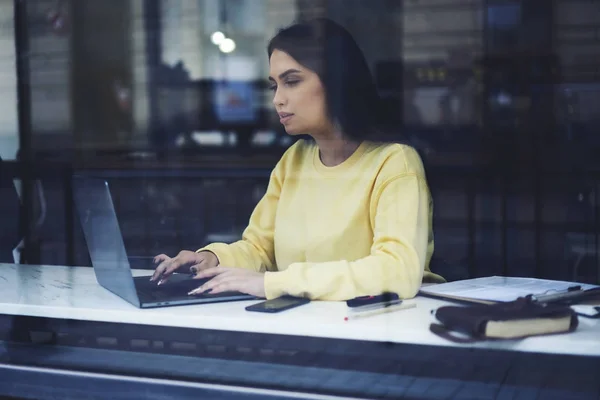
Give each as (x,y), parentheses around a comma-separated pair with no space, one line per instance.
(497,289)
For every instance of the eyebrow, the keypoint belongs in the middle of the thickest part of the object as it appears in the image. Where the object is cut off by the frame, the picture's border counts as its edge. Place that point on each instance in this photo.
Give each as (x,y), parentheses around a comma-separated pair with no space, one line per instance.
(286,73)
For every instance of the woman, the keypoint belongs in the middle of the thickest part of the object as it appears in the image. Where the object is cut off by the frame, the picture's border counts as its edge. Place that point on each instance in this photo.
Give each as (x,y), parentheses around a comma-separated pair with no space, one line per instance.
(343,215)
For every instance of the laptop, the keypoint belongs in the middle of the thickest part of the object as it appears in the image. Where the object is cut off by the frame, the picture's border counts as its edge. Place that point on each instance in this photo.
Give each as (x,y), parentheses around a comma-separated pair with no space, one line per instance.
(112,266)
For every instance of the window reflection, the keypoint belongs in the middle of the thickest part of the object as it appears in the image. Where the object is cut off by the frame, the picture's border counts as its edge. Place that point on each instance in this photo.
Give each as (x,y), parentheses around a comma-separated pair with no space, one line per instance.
(168,100)
(470,84)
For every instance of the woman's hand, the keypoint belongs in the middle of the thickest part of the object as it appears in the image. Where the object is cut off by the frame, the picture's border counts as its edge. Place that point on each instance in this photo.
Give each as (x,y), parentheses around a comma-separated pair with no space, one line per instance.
(226,279)
(185,262)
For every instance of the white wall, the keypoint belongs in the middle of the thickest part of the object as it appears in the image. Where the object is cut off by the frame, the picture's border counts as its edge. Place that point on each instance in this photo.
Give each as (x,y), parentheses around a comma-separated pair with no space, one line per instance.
(188,24)
(140,72)
(9,137)
(182,34)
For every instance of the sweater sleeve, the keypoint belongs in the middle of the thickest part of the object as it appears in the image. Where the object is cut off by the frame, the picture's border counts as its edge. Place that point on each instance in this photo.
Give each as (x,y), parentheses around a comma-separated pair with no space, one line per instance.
(400,218)
(256,249)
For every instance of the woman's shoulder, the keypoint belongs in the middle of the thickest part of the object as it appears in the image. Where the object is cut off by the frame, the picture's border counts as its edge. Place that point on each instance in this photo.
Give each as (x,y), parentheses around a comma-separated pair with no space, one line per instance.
(295,155)
(298,151)
(396,159)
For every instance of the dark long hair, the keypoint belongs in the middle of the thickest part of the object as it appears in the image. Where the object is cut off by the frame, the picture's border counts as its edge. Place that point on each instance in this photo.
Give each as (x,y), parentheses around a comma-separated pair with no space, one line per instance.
(330,51)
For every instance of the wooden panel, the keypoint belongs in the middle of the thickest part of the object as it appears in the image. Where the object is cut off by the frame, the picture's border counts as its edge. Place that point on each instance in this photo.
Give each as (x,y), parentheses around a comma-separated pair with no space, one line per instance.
(577,12)
(433,29)
(577,32)
(428,21)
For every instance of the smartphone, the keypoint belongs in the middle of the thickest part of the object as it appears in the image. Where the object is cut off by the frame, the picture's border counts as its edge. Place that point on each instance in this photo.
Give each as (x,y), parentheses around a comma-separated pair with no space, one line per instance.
(371,300)
(277,305)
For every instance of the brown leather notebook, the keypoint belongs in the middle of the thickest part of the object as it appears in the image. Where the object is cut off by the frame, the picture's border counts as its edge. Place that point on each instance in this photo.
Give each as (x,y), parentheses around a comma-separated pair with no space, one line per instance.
(511,320)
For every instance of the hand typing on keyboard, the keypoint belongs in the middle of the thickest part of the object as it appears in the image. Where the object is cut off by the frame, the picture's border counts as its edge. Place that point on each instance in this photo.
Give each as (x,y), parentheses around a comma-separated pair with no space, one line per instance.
(185,262)
(231,279)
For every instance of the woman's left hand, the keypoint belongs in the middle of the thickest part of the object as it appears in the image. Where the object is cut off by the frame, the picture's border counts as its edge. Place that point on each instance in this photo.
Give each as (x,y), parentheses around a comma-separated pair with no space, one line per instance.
(227,279)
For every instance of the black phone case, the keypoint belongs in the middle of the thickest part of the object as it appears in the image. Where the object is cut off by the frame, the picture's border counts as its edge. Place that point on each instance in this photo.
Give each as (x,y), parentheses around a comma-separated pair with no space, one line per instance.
(366,300)
(260,306)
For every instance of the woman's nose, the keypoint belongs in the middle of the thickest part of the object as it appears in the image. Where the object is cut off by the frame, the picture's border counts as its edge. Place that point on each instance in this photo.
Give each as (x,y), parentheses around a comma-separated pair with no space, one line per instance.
(278,98)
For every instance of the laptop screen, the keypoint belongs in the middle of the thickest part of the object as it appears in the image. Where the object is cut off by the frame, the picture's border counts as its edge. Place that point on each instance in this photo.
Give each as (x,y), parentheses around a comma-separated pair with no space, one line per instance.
(103,237)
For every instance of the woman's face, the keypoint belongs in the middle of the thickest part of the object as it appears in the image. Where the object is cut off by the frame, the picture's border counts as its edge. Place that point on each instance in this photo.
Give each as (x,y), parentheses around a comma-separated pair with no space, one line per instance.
(298,96)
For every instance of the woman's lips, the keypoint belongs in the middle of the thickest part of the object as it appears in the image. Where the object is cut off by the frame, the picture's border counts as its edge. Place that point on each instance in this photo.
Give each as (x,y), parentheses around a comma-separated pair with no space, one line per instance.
(284,118)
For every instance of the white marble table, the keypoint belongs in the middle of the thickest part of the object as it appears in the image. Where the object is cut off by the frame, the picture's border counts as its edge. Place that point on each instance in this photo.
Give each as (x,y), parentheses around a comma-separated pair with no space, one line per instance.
(73,293)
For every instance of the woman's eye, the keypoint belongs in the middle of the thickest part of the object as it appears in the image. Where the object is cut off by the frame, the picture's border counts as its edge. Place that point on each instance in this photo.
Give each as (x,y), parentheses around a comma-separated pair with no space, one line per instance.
(273,88)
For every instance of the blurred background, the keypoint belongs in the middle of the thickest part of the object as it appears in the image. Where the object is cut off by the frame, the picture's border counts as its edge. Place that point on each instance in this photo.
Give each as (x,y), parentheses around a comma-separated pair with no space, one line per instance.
(168,100)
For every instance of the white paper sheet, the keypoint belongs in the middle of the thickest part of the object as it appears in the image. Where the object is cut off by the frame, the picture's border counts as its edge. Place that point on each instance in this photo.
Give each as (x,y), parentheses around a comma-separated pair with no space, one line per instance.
(500,288)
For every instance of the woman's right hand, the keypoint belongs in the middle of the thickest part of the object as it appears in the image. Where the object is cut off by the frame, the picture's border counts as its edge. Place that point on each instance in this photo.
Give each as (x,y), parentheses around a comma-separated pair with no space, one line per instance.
(185,262)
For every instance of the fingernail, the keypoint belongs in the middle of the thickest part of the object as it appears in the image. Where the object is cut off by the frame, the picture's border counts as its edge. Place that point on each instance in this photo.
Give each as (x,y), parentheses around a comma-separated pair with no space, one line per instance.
(200,290)
(160,282)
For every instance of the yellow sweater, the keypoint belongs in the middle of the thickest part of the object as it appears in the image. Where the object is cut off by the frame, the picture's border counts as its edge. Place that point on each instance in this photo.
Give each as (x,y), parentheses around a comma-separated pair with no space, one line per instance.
(334,233)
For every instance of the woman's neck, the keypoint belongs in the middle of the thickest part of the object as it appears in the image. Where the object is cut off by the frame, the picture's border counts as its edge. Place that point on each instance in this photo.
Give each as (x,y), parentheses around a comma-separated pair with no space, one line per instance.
(334,151)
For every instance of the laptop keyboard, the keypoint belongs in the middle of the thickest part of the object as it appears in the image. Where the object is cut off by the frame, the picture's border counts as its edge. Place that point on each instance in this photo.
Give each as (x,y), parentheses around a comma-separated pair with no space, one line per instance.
(148,290)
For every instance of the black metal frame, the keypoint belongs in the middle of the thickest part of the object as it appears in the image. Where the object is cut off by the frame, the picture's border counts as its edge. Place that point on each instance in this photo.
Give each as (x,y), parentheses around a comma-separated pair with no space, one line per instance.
(153,28)
(327,366)
(64,172)
(25,156)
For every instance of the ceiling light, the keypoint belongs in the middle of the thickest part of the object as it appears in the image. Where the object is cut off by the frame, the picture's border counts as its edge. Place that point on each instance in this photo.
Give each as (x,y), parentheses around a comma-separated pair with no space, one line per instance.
(227,45)
(217,38)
